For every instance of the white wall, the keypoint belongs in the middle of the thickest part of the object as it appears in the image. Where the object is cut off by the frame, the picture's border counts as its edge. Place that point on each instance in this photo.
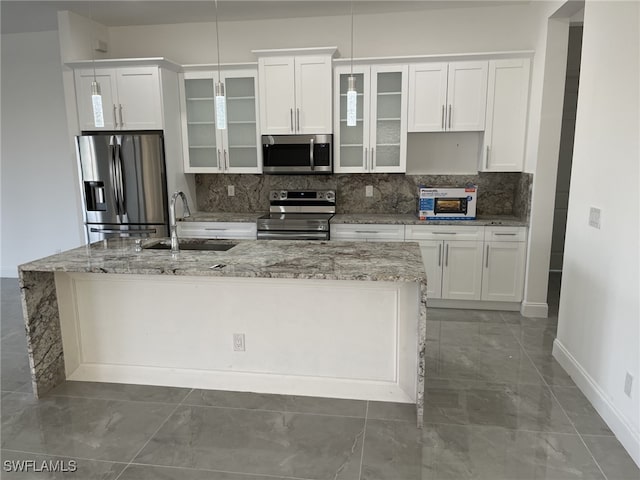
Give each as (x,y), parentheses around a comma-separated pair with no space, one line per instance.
(599,316)
(39,206)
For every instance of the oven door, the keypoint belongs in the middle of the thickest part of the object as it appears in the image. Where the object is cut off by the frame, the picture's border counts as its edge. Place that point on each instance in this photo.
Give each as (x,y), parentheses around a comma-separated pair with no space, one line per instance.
(291,154)
(284,235)
(450,205)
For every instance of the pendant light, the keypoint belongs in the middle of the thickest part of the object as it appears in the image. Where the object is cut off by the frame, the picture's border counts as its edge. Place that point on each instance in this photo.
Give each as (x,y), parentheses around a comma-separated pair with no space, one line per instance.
(352,94)
(96,95)
(221,101)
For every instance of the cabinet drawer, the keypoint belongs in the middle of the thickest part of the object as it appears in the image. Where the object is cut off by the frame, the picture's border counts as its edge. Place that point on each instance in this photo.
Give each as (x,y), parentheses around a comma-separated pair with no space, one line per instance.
(217,230)
(505,234)
(444,232)
(368,232)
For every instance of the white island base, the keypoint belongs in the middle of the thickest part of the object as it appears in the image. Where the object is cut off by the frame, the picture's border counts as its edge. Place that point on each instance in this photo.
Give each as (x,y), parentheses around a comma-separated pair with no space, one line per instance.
(328,338)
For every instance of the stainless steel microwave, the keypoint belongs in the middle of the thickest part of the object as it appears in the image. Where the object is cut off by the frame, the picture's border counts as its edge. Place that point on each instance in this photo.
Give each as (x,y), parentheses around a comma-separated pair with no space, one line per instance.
(297,154)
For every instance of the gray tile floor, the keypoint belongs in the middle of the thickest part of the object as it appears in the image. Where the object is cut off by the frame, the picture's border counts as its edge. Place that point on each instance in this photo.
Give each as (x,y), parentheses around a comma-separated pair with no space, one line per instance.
(498,406)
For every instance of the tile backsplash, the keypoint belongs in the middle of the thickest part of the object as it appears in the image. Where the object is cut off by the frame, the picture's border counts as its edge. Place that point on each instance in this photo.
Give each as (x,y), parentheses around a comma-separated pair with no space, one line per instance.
(498,193)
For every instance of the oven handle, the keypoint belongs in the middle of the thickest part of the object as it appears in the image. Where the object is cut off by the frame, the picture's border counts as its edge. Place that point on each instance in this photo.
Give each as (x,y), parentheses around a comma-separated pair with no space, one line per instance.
(292,236)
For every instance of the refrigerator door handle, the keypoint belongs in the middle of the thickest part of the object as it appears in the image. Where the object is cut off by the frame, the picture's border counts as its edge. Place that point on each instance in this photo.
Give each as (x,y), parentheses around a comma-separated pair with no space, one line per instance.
(114,175)
(123,199)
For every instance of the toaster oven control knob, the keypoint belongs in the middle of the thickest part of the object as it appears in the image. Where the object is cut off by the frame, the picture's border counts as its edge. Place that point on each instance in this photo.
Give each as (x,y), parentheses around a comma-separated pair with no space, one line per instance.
(330,195)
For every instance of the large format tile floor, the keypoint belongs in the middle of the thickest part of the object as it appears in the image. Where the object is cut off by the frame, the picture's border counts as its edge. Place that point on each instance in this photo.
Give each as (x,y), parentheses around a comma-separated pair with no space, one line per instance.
(498,406)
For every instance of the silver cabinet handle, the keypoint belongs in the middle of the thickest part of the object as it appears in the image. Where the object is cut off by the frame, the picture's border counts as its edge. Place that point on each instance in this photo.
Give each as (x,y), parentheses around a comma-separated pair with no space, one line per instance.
(298,120)
(291,115)
(440,255)
(366,159)
(446,255)
(226,159)
(450,116)
(366,231)
(442,117)
(121,117)
(373,161)
(219,164)
(486,160)
(505,234)
(444,233)
(216,229)
(115,118)
(311,147)
(486,264)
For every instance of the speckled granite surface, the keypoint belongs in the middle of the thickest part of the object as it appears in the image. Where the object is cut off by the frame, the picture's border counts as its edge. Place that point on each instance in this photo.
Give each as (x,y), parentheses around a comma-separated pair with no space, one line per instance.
(409,219)
(385,262)
(223,217)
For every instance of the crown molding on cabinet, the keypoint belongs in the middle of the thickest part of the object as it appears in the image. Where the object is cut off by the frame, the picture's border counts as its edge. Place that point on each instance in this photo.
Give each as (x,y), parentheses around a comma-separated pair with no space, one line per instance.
(437,58)
(295,51)
(127,62)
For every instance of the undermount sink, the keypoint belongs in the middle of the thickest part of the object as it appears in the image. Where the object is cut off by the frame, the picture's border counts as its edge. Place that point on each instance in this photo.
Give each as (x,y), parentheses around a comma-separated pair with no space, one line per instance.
(193,244)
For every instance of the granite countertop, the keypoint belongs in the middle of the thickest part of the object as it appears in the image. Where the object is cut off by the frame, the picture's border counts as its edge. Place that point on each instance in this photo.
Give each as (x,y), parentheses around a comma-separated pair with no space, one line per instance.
(372,261)
(223,217)
(411,219)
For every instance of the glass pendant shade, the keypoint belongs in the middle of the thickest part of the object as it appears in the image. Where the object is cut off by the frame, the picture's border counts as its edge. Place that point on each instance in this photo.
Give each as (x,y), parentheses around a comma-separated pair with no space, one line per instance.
(221,107)
(352,101)
(96,102)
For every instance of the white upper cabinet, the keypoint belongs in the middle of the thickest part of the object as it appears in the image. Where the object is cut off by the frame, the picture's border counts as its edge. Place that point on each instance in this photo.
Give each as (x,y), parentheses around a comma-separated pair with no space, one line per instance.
(295,93)
(235,149)
(506,119)
(447,97)
(378,141)
(131,98)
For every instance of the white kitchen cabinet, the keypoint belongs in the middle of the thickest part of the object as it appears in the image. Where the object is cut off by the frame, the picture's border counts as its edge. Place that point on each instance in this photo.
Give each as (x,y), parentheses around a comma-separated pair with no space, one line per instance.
(504,264)
(367,232)
(447,97)
(131,98)
(218,230)
(378,142)
(295,92)
(452,257)
(506,118)
(236,149)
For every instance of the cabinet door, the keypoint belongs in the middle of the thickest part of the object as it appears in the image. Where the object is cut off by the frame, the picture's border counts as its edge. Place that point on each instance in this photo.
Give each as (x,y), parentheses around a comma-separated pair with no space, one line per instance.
(139,100)
(106,78)
(503,272)
(242,149)
(313,94)
(462,271)
(467,96)
(506,119)
(432,253)
(199,136)
(427,97)
(351,144)
(277,95)
(388,134)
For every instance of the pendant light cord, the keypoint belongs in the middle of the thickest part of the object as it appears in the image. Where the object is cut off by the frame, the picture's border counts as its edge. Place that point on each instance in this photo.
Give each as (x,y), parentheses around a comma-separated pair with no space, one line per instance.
(92,39)
(351,37)
(217,39)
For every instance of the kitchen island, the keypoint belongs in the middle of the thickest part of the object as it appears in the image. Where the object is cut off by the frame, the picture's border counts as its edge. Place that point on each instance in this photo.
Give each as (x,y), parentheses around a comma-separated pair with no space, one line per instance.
(336,319)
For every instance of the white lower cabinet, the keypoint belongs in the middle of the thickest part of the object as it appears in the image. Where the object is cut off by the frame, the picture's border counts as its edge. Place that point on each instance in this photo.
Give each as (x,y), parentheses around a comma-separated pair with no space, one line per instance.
(369,232)
(218,230)
(504,264)
(452,257)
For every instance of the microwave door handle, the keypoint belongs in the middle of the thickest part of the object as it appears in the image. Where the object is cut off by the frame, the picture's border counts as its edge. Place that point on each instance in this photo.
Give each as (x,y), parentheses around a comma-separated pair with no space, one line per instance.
(311,155)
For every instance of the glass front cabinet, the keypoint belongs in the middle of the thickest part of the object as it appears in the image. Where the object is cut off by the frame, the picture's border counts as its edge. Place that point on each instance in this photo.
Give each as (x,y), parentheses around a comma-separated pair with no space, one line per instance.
(236,149)
(378,141)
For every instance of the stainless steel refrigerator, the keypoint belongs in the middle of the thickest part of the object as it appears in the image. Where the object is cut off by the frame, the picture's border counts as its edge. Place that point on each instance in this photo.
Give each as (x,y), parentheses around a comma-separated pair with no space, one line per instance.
(124,185)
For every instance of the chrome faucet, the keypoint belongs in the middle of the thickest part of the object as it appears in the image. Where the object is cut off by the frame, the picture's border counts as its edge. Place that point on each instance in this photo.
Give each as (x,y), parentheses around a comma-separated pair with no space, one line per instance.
(175,248)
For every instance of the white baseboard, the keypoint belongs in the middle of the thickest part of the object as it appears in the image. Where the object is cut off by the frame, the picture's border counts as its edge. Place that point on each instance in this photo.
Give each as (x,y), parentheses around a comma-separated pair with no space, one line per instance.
(244,382)
(534,310)
(9,272)
(624,431)
(474,304)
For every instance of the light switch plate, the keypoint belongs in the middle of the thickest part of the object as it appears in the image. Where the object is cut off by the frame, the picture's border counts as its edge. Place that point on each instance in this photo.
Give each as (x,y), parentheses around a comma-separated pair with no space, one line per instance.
(594,217)
(628,382)
(368,191)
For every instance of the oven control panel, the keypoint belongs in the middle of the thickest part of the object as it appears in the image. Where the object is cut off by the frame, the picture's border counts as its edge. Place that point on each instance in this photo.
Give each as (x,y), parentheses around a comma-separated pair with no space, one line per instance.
(302,195)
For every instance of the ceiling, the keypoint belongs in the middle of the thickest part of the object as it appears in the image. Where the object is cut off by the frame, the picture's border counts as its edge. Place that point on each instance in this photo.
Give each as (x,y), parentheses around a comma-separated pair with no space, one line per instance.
(36,16)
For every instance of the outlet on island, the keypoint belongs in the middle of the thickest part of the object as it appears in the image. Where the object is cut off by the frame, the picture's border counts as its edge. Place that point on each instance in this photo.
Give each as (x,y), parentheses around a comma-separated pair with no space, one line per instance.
(368,191)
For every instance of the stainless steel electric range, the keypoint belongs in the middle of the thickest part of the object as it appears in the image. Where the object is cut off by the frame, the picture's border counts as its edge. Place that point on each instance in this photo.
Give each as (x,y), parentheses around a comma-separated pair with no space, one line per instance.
(298,215)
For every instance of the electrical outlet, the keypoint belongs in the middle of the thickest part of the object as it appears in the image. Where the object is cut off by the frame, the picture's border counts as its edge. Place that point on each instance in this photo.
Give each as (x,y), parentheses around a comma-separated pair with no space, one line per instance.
(628,382)
(368,191)
(238,342)
(231,190)
(594,217)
